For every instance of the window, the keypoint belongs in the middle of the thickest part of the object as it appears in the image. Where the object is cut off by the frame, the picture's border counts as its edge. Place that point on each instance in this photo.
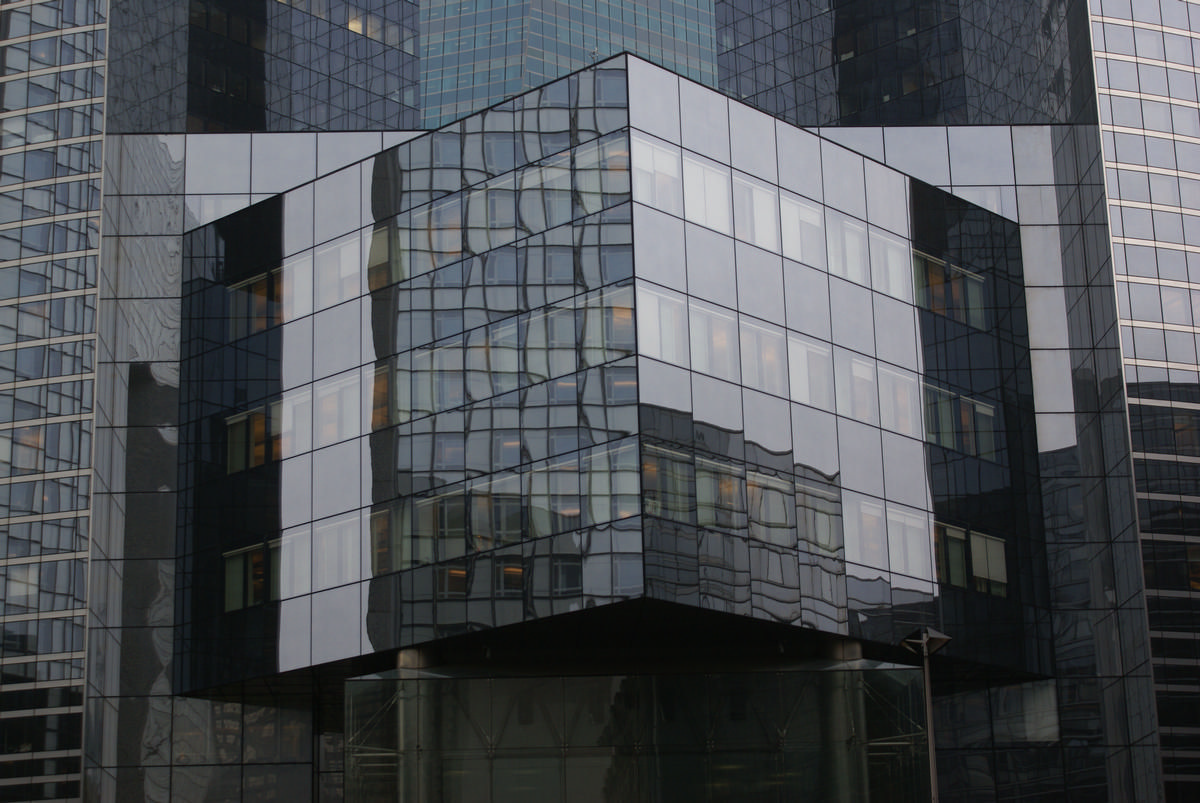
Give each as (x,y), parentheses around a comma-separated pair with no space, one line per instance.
(900,401)
(336,551)
(720,495)
(662,321)
(336,268)
(755,212)
(950,290)
(337,411)
(986,557)
(250,440)
(657,175)
(602,172)
(550,348)
(566,575)
(555,505)
(857,396)
(503,357)
(848,256)
(706,193)
(908,541)
(545,194)
(510,576)
(772,507)
(989,566)
(865,531)
(667,484)
(449,451)
(452,582)
(803,230)
(291,420)
(960,423)
(620,384)
(764,358)
(715,348)
(810,364)
(619,337)
(496,512)
(254,305)
(950,551)
(251,576)
(382,269)
(819,513)
(890,271)
(609,487)
(442,520)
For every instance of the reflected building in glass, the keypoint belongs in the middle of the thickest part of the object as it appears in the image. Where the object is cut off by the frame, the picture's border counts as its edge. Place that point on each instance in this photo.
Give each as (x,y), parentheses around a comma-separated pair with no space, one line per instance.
(485,415)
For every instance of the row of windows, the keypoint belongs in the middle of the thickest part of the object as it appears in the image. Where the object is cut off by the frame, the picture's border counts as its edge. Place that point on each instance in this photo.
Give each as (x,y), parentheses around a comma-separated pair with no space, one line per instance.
(45,448)
(433,237)
(51,124)
(59,495)
(57,585)
(735,204)
(719,342)
(488,362)
(63,198)
(45,361)
(40,239)
(54,317)
(38,18)
(25,538)
(52,51)
(36,278)
(46,401)
(64,161)
(971,560)
(591,487)
(57,87)
(536,198)
(41,636)
(252,575)
(724,495)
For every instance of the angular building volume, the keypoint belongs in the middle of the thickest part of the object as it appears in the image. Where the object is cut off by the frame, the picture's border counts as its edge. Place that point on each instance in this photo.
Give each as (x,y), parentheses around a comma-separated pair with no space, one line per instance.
(590,402)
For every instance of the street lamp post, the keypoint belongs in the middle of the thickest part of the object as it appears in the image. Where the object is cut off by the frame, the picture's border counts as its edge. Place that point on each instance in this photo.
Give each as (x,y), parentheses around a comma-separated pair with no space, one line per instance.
(925,642)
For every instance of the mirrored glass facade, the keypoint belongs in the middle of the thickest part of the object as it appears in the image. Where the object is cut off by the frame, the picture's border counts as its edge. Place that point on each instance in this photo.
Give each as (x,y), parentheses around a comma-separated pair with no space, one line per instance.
(618,377)
(410,347)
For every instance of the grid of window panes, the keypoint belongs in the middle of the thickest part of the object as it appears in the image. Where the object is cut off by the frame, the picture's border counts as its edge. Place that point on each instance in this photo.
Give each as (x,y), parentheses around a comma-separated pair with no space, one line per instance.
(813,380)
(476,53)
(51,119)
(456,378)
(290,65)
(1145,54)
(908,62)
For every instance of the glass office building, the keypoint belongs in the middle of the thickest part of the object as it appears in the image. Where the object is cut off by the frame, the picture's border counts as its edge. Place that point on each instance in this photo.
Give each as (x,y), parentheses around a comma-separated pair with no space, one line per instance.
(617,399)
(480,414)
(50,173)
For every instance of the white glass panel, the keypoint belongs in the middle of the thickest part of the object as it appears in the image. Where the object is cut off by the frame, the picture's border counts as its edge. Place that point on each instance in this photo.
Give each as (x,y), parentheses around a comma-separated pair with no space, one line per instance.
(756,212)
(706,193)
(811,371)
(657,175)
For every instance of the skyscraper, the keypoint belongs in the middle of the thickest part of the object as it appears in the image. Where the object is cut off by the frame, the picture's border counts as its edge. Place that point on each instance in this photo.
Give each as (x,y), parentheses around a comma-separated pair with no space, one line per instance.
(472,422)
(50,172)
